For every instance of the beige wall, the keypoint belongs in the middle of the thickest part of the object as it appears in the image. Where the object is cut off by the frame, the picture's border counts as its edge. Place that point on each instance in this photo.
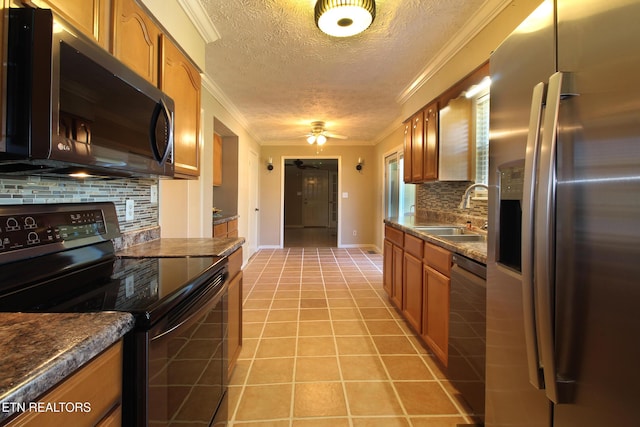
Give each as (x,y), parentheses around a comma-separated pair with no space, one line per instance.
(355,213)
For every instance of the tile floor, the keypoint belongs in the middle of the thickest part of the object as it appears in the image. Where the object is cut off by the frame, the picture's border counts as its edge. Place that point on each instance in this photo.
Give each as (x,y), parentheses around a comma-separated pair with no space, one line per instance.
(323,347)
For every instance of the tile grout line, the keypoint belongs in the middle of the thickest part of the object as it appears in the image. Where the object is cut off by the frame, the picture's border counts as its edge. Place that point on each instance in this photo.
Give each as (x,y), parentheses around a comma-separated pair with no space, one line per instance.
(341,259)
(436,378)
(335,346)
(295,350)
(386,371)
(253,358)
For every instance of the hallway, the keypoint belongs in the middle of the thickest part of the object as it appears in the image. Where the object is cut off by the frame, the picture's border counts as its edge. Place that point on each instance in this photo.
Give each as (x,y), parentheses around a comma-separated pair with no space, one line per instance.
(323,347)
(310,237)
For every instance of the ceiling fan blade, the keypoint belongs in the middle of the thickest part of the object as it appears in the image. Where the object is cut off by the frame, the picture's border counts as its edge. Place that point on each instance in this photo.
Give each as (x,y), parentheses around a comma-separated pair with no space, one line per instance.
(336,136)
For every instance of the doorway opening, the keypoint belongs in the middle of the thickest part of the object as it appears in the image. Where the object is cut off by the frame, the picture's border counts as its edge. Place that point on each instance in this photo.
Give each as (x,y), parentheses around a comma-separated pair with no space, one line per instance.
(310,202)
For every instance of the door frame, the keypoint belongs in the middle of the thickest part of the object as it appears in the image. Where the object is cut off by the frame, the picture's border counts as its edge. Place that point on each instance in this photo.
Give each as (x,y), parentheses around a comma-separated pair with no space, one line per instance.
(283,159)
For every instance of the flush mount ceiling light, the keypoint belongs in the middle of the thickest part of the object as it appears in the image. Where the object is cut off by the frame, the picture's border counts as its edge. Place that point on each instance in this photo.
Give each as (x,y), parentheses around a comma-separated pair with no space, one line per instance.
(344,18)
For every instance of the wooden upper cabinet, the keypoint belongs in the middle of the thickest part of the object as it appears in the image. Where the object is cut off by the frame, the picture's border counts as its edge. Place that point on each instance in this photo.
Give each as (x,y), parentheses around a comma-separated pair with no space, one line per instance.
(135,39)
(91,17)
(180,79)
(430,143)
(407,151)
(417,147)
(217,160)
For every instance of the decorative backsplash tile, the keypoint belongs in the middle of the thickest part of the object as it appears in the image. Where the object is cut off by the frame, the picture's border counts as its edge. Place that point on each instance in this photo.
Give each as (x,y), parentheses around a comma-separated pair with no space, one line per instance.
(37,190)
(437,200)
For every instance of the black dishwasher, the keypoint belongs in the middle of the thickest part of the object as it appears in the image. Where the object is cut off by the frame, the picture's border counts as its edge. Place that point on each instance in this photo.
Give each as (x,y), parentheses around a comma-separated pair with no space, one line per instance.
(467,332)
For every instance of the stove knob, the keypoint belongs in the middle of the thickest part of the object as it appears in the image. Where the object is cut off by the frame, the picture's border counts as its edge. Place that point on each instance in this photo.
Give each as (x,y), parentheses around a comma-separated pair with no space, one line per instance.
(12,224)
(29,223)
(33,238)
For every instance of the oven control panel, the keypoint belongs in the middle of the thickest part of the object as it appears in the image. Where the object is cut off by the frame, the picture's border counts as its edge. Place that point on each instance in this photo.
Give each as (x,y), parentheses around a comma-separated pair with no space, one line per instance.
(20,231)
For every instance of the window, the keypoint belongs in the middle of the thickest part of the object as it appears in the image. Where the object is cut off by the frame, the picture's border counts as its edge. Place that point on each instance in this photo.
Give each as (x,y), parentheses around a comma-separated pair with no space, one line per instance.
(399,197)
(482,139)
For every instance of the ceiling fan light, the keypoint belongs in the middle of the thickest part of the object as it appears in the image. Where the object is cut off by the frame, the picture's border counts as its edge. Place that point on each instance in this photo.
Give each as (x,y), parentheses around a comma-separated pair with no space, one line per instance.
(311,139)
(321,139)
(344,18)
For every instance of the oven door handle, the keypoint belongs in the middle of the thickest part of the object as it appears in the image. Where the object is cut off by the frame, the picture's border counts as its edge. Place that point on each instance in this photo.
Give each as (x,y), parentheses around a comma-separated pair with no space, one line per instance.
(190,310)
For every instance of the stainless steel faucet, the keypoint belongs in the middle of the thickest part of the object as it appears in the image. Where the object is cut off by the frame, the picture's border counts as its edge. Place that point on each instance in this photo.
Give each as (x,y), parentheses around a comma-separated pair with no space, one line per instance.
(464,204)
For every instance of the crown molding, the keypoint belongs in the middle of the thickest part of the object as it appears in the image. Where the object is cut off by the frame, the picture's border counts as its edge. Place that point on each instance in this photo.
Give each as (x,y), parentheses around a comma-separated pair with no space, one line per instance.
(486,13)
(210,86)
(198,15)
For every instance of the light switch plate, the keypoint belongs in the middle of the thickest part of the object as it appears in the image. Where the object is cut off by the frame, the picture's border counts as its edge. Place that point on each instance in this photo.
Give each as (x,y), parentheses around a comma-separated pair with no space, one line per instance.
(129,210)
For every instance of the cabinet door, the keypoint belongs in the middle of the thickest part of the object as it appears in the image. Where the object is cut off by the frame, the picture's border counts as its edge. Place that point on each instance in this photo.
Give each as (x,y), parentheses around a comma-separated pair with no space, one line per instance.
(430,143)
(217,160)
(89,16)
(397,282)
(417,148)
(387,268)
(234,341)
(412,294)
(181,81)
(407,151)
(135,39)
(435,326)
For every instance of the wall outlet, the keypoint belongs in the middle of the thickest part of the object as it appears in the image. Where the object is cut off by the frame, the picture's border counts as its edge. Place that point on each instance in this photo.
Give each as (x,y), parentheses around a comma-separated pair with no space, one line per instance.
(129,210)
(153,194)
(355,232)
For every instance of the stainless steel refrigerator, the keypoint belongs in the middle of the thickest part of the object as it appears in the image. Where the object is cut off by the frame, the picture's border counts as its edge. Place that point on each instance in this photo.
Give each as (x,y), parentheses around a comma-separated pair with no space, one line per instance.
(563,280)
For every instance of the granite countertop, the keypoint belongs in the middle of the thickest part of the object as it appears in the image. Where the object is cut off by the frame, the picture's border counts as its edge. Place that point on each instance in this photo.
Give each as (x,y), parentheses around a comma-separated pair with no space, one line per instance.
(222,218)
(40,349)
(174,247)
(474,250)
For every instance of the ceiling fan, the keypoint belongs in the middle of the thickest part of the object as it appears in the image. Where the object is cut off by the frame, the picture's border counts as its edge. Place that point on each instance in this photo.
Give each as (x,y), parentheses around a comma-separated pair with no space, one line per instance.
(319,134)
(300,165)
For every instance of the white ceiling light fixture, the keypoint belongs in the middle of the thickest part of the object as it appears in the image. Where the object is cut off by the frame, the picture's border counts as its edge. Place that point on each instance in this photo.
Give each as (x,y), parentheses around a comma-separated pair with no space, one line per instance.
(344,18)
(319,134)
(318,139)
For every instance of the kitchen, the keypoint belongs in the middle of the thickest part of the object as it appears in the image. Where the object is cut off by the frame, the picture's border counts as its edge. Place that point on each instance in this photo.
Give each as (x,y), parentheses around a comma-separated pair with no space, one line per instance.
(182,207)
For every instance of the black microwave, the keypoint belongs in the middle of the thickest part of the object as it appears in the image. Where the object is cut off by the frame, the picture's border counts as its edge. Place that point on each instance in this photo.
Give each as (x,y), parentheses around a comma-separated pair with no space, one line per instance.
(73,107)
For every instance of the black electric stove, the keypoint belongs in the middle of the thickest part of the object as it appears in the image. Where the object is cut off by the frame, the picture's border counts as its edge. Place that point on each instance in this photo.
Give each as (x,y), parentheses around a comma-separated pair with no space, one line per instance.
(60,258)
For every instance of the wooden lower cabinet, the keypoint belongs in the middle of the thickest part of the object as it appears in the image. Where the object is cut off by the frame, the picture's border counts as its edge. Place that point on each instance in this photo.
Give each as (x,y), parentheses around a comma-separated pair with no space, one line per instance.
(393,265)
(98,384)
(417,279)
(397,281)
(226,229)
(387,267)
(435,322)
(393,272)
(234,338)
(437,264)
(412,306)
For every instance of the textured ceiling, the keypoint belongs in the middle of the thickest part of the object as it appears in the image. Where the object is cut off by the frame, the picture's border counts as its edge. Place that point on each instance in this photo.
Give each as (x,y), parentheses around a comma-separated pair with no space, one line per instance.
(280,72)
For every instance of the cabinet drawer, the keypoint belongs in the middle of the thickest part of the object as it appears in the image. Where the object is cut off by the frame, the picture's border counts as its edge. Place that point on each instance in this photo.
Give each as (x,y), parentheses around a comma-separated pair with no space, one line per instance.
(413,245)
(394,235)
(232,225)
(220,230)
(235,262)
(98,383)
(438,258)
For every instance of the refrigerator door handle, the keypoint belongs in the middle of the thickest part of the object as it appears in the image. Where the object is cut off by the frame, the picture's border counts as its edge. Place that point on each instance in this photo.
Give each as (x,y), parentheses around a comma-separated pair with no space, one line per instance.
(544,256)
(530,172)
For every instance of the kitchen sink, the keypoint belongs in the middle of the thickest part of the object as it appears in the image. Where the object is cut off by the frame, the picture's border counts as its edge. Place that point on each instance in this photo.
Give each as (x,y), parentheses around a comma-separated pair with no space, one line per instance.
(440,230)
(465,238)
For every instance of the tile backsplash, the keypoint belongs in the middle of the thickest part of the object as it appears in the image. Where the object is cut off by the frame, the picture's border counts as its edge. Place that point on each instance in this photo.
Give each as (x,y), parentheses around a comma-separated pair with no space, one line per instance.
(436,200)
(37,190)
